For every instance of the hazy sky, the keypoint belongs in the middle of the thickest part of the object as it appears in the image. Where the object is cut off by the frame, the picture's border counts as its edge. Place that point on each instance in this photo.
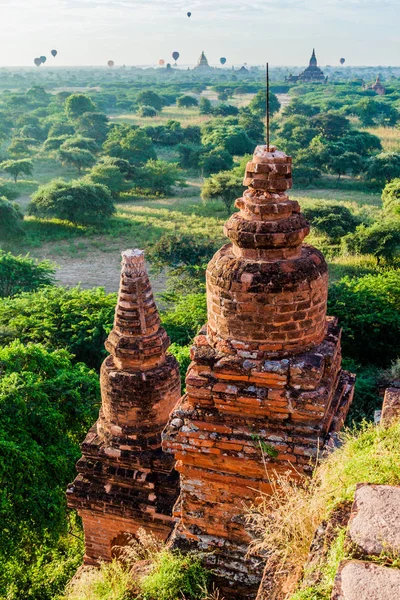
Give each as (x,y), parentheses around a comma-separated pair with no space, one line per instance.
(89,32)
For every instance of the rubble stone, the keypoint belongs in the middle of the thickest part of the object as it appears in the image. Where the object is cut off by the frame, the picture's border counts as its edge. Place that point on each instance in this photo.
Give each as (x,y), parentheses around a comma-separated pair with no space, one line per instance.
(374,525)
(358,580)
(391,406)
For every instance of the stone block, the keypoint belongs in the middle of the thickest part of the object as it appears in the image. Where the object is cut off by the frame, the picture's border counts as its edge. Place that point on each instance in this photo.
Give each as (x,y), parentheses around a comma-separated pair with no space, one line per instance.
(357,580)
(374,525)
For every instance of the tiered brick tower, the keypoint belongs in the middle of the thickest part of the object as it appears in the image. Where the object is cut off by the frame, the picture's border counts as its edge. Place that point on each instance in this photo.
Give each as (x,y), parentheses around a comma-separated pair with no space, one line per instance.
(125,480)
(265,388)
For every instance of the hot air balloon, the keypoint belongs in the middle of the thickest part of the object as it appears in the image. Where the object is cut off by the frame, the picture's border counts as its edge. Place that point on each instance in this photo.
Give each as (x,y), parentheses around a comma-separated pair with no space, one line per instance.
(161,62)
(43,59)
(37,62)
(54,53)
(175,56)
(342,61)
(110,63)
(222,60)
(189,14)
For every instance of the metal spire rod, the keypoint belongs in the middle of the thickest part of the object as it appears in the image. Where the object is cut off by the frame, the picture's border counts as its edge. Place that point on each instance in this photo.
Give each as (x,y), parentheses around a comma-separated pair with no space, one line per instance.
(267,106)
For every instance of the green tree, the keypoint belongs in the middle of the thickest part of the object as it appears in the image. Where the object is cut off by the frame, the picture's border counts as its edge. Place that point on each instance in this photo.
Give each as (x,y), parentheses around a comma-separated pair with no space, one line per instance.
(225,110)
(391,198)
(225,186)
(258,105)
(368,311)
(187,101)
(297,106)
(23,274)
(47,405)
(55,143)
(93,125)
(70,318)
(80,142)
(214,161)
(17,167)
(205,106)
(150,98)
(334,220)
(60,128)
(384,167)
(225,135)
(130,143)
(252,125)
(80,159)
(109,176)
(158,177)
(10,220)
(382,240)
(77,202)
(77,105)
(330,125)
(8,190)
(146,111)
(18,147)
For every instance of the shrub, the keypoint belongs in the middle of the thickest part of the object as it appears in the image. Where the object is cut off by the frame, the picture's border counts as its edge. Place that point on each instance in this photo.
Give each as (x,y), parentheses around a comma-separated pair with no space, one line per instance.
(10,220)
(151,99)
(54,143)
(184,320)
(382,240)
(147,111)
(74,319)
(8,190)
(78,104)
(303,175)
(225,110)
(174,576)
(110,176)
(225,185)
(23,274)
(76,157)
(77,202)
(187,101)
(367,309)
(158,177)
(334,220)
(214,161)
(391,198)
(205,106)
(83,143)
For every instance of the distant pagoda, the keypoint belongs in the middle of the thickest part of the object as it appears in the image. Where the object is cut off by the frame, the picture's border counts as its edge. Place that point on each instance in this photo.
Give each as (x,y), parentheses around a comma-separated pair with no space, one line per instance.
(202,63)
(312,74)
(377,87)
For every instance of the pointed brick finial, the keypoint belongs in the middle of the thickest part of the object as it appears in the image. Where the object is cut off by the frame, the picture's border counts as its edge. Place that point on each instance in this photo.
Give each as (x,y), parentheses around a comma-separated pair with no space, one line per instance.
(137,340)
(133,263)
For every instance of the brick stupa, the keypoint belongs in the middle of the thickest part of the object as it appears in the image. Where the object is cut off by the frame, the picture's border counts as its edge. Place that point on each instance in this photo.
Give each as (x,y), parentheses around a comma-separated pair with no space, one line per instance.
(125,480)
(265,389)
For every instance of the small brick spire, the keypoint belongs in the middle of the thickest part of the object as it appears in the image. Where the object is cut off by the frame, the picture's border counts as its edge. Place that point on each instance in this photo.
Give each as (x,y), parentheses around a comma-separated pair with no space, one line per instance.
(125,481)
(137,340)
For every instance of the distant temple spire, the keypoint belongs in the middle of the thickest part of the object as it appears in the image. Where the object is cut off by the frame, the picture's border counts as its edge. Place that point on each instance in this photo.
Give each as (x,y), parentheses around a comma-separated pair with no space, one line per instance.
(312,74)
(313,59)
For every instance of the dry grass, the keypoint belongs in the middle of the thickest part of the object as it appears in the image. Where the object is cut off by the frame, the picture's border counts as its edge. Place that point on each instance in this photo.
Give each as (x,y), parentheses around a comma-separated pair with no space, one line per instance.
(389,136)
(285,522)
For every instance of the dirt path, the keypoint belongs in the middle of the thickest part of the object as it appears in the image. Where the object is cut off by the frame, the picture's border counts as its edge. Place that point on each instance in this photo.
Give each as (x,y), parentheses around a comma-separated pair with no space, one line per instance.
(92,268)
